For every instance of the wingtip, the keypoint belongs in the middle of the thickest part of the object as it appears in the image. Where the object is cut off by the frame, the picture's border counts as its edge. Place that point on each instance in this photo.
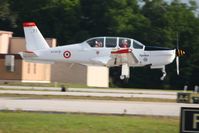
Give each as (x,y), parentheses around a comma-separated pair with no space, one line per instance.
(29,24)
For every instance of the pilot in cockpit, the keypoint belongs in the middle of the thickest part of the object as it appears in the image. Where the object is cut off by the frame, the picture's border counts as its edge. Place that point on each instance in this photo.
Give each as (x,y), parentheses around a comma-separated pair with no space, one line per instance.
(124,43)
(98,43)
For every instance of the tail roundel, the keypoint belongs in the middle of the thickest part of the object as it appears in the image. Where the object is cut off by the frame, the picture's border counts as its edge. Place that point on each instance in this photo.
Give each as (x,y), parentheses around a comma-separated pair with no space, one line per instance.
(33,37)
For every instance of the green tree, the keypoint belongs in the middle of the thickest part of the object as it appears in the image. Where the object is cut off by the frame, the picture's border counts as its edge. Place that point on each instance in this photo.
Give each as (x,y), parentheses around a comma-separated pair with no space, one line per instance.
(7,18)
(155,23)
(112,17)
(93,19)
(125,18)
(166,20)
(181,18)
(55,18)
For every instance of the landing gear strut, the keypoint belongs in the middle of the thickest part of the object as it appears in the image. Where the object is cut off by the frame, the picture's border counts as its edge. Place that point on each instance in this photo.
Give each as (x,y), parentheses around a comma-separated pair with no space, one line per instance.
(125,72)
(163,73)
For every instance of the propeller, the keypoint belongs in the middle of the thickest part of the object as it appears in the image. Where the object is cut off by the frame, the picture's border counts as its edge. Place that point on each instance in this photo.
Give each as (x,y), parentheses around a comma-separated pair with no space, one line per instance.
(178,54)
(177,65)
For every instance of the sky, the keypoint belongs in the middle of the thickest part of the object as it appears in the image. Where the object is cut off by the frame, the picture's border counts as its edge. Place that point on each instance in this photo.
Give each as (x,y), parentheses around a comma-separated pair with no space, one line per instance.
(185,1)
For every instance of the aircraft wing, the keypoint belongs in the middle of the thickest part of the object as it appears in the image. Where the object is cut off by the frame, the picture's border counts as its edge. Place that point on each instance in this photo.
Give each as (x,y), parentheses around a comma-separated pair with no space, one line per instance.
(116,58)
(101,60)
(122,56)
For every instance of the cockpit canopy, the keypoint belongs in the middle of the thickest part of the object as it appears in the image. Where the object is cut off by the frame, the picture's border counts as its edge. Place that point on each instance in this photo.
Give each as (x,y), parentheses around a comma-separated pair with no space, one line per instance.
(114,42)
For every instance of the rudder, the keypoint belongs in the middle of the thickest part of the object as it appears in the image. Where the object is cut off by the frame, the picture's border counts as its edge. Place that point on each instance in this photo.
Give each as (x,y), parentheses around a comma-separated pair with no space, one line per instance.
(33,37)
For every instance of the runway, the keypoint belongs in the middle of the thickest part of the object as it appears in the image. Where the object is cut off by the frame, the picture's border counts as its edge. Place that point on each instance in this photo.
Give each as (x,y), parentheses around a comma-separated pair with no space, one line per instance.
(124,93)
(93,106)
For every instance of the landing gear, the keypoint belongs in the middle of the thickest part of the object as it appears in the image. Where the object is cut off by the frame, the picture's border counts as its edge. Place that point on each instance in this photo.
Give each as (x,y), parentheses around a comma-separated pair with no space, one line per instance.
(163,73)
(122,77)
(125,72)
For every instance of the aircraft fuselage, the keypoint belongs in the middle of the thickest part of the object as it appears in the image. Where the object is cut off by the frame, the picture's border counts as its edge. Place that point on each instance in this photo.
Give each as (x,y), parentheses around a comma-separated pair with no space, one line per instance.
(101,51)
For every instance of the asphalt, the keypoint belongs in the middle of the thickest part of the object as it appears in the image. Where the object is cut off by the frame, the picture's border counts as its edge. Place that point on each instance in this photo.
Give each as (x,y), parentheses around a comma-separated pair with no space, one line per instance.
(125,93)
(93,106)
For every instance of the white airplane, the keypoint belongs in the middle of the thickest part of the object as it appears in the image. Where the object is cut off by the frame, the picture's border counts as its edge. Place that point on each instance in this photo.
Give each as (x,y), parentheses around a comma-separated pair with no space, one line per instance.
(101,51)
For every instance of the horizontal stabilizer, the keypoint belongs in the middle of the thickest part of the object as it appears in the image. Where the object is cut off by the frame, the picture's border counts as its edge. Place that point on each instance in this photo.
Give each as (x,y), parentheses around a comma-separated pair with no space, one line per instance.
(28,54)
(40,61)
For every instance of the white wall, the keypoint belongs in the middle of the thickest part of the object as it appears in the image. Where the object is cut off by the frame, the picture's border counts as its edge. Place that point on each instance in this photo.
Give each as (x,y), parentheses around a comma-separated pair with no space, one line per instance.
(97,76)
(4,41)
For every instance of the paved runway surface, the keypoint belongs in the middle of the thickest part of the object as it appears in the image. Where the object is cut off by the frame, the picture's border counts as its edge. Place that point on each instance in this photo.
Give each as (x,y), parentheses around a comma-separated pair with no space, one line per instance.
(93,106)
(91,92)
(105,90)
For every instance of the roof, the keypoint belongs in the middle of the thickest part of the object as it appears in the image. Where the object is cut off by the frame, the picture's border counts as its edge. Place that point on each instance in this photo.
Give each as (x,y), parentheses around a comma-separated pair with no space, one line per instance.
(5,32)
(17,56)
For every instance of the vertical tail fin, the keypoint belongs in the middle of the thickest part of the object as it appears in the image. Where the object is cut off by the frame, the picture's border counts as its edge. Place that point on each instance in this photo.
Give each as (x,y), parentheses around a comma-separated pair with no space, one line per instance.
(34,38)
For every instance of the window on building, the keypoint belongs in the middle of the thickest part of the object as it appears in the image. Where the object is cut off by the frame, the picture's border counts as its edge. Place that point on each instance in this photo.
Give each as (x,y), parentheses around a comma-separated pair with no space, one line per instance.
(10,63)
(28,68)
(35,68)
(111,42)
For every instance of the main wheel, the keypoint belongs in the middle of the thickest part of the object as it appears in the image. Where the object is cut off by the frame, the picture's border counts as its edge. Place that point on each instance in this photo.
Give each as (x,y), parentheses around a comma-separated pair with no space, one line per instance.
(122,77)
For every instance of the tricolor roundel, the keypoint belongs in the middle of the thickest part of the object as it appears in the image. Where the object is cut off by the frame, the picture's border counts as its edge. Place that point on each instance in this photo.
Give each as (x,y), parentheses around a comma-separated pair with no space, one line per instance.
(67,54)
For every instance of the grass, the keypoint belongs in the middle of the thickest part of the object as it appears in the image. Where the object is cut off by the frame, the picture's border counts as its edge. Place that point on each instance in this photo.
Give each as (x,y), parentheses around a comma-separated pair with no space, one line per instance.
(87,98)
(29,122)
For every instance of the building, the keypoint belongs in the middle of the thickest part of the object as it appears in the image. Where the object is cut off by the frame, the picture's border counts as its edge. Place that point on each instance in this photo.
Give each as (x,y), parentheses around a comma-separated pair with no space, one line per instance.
(14,68)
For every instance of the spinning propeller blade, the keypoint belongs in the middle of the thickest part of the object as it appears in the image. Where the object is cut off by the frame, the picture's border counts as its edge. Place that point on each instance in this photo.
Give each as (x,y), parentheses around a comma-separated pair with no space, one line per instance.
(178,54)
(177,65)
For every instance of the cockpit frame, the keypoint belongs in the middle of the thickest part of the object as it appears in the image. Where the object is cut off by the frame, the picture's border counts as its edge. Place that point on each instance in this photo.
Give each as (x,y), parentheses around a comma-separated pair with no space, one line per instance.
(114,42)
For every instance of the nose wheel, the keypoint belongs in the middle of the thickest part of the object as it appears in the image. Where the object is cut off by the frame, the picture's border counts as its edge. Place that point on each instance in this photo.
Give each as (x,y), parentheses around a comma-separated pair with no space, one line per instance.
(124,79)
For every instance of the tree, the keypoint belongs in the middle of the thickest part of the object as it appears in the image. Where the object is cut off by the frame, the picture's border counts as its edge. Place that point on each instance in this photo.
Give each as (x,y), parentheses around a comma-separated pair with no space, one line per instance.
(156,22)
(166,20)
(181,18)
(55,18)
(7,18)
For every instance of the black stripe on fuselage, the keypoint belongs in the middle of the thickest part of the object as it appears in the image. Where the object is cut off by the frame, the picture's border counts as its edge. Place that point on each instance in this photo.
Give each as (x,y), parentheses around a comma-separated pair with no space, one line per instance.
(155,48)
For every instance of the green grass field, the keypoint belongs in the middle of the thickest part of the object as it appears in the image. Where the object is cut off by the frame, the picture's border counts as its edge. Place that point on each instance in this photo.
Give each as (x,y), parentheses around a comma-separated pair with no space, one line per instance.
(27,122)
